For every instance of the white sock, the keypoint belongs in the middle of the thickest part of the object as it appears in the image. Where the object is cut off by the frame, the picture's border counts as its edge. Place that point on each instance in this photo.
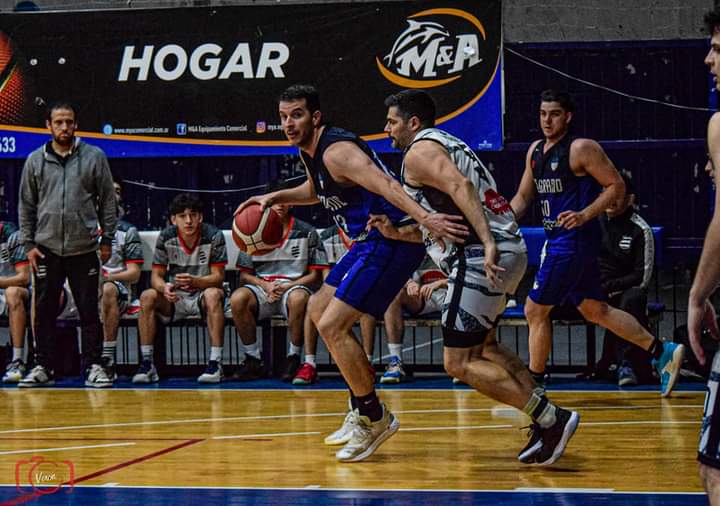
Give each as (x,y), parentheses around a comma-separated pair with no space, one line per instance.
(18,353)
(294,350)
(369,357)
(147,351)
(395,350)
(310,359)
(108,351)
(216,353)
(252,349)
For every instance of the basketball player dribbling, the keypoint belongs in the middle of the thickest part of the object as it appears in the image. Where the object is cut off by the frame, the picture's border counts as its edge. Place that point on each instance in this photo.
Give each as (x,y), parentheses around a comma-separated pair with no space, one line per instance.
(346,176)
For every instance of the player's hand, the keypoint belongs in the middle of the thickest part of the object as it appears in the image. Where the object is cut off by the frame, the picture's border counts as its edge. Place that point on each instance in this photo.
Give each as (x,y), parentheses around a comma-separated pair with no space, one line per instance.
(446,226)
(571,219)
(265,201)
(701,315)
(33,256)
(169,293)
(412,289)
(185,281)
(492,269)
(105,252)
(383,224)
(426,291)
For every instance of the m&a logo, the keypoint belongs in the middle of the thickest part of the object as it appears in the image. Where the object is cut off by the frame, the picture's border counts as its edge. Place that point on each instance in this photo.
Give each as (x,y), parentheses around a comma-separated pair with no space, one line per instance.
(428,53)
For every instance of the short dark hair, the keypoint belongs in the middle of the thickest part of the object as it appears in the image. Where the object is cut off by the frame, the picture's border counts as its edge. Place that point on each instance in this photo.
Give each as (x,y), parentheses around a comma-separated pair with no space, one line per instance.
(61,104)
(184,201)
(712,21)
(562,97)
(302,91)
(411,103)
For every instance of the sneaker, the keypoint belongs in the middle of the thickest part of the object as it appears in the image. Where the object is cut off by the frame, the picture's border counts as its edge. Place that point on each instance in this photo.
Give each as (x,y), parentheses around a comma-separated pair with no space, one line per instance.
(37,377)
(668,366)
(250,369)
(367,436)
(555,438)
(109,367)
(343,434)
(213,373)
(394,372)
(527,455)
(307,375)
(146,373)
(97,377)
(626,376)
(14,371)
(292,364)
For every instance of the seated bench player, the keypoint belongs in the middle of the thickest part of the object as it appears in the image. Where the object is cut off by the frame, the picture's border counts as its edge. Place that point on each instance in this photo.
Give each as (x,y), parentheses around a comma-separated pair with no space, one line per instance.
(186,281)
(277,283)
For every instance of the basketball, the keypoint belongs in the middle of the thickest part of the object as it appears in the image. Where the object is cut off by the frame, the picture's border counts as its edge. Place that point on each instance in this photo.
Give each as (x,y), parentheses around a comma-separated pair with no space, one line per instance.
(255,231)
(12,88)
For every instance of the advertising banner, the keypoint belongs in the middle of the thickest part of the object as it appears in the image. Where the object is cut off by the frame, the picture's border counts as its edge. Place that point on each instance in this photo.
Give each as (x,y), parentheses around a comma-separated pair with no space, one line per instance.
(204,81)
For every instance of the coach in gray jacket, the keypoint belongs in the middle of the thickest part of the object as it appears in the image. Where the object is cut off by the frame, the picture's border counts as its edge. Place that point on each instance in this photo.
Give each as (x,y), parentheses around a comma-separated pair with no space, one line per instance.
(67,201)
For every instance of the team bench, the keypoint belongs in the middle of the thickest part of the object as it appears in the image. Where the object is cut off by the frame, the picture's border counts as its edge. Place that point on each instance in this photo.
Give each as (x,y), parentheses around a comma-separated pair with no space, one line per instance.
(186,346)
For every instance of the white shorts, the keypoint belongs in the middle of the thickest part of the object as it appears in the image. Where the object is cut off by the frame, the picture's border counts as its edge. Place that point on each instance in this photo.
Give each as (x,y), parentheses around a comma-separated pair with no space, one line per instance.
(279,307)
(471,304)
(3,303)
(187,306)
(434,304)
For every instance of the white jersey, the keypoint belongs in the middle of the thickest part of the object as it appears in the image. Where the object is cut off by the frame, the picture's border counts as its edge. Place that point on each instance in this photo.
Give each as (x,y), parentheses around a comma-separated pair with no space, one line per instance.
(498,213)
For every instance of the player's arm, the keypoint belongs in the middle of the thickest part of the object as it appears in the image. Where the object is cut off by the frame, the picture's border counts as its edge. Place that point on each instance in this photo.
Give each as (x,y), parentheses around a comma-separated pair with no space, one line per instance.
(131,274)
(526,191)
(700,311)
(588,157)
(213,280)
(348,163)
(20,278)
(157,278)
(407,233)
(246,277)
(312,278)
(302,195)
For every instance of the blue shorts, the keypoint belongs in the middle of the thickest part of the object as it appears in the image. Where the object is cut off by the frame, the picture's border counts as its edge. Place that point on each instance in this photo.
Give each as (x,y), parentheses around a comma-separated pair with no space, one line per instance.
(372,273)
(564,277)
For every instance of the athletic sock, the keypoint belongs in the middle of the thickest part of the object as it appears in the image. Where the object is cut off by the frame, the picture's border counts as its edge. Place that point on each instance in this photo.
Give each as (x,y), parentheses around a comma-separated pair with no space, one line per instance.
(216,353)
(353,401)
(147,351)
(395,350)
(656,348)
(252,349)
(294,350)
(541,410)
(18,354)
(538,377)
(369,405)
(108,351)
(310,359)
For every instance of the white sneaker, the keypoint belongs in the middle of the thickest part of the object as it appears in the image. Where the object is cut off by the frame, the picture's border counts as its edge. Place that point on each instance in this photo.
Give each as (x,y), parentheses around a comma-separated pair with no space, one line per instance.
(213,373)
(368,436)
(97,377)
(14,372)
(37,377)
(146,373)
(343,434)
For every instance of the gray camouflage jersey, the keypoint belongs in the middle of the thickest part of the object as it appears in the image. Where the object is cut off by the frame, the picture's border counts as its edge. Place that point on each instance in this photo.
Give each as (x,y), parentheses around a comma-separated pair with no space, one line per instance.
(498,213)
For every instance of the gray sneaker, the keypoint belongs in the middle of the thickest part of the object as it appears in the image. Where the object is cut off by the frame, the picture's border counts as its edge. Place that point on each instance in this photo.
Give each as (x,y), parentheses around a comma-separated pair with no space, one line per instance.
(342,435)
(37,377)
(97,377)
(146,373)
(368,436)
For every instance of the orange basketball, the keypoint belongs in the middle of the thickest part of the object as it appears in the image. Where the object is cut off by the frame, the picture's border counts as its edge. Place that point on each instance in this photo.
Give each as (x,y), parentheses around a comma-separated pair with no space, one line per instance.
(257,231)
(12,89)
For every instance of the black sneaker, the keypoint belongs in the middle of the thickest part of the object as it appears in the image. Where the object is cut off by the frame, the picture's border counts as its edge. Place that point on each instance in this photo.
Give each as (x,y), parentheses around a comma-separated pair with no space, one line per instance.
(290,369)
(109,367)
(527,455)
(250,369)
(555,438)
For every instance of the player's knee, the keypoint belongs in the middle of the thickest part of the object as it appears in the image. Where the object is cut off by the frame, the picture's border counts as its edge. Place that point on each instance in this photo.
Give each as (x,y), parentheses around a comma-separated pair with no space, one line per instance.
(240,300)
(314,309)
(148,299)
(298,300)
(213,298)
(14,297)
(455,365)
(594,311)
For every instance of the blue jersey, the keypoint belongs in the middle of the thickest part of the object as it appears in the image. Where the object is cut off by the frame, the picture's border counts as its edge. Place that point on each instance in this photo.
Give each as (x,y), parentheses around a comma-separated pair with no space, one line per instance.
(559,189)
(349,204)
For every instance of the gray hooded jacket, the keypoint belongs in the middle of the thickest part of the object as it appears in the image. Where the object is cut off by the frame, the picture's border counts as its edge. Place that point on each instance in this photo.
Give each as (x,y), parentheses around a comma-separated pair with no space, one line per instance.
(63,208)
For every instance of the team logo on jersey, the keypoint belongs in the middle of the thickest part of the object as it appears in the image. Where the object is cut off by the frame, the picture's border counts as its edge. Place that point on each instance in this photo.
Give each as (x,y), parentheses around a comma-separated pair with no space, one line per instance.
(429,54)
(625,242)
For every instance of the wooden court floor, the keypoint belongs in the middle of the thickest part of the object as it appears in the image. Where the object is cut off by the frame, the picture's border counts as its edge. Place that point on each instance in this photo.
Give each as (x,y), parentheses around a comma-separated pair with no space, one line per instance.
(451,439)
